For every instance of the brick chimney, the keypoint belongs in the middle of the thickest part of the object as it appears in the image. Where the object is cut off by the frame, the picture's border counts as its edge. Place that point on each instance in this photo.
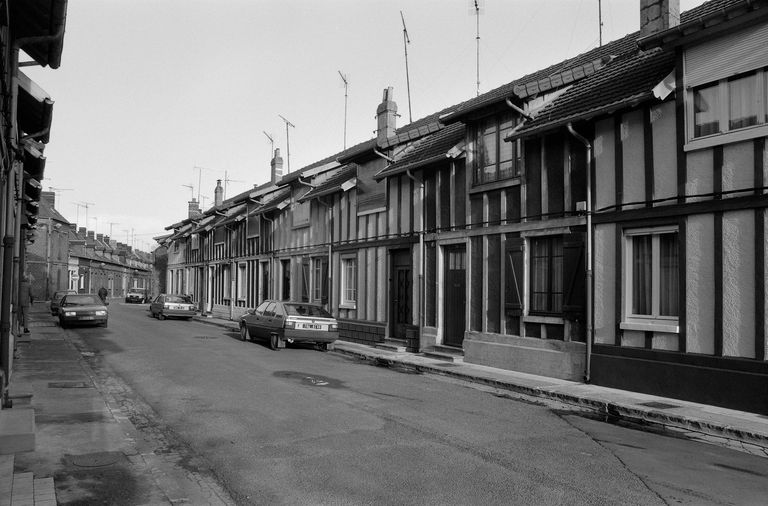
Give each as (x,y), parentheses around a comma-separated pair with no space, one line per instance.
(658,15)
(386,117)
(218,193)
(49,198)
(100,237)
(82,231)
(194,209)
(277,166)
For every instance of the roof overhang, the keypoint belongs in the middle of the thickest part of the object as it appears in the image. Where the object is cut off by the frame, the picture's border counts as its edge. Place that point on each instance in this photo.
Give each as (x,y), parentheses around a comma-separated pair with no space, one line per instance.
(34,162)
(35,109)
(38,28)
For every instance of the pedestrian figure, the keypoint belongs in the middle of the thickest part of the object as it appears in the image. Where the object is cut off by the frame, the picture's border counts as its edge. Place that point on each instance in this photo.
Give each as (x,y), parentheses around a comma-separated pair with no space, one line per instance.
(25,297)
(103,294)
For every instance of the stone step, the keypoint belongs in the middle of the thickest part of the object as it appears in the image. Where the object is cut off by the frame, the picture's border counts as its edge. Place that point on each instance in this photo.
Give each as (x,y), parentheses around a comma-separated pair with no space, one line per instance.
(17,430)
(389,344)
(445,353)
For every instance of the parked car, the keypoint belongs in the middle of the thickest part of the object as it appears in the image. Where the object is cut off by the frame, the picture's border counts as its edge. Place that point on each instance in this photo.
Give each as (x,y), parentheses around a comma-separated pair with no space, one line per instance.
(56,300)
(134,296)
(282,322)
(87,309)
(172,306)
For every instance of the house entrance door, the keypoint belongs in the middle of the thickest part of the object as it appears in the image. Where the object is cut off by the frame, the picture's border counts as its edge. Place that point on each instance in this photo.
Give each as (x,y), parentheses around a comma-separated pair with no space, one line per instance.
(455,296)
(401,286)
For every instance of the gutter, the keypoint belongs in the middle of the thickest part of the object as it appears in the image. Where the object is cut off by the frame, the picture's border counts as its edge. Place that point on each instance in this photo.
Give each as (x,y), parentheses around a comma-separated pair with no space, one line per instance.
(590,330)
(422,286)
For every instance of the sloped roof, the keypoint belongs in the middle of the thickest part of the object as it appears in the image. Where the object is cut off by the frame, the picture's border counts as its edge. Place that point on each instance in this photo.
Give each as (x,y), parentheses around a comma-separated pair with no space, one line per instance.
(38,19)
(430,150)
(624,82)
(332,184)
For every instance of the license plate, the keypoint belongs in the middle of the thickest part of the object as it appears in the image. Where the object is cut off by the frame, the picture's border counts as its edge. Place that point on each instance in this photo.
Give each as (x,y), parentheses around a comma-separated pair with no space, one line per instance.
(86,317)
(311,326)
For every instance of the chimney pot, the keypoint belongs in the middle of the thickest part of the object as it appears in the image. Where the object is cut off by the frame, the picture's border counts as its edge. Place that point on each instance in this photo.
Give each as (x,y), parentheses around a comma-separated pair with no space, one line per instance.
(658,15)
(277,166)
(386,117)
(218,194)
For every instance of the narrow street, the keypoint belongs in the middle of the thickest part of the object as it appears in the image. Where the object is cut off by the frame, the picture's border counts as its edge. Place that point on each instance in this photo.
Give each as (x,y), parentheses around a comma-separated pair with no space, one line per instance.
(299,426)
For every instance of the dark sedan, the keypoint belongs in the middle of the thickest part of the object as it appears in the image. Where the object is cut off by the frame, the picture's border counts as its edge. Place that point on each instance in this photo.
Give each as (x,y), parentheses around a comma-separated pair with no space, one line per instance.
(82,309)
(282,322)
(56,300)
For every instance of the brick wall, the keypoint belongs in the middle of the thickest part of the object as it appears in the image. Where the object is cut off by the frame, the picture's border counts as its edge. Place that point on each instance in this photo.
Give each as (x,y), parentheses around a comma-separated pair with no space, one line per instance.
(361,332)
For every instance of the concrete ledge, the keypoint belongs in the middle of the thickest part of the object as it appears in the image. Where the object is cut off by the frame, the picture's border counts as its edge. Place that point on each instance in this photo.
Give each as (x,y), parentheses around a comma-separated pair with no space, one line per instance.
(17,431)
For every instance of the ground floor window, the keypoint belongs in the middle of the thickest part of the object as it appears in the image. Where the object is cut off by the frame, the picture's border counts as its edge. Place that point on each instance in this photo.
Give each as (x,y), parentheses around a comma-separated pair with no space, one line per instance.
(652,280)
(349,282)
(546,274)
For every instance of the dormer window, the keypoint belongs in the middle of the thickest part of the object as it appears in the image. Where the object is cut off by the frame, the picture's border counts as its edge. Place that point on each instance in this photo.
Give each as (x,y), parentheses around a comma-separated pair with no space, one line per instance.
(496,159)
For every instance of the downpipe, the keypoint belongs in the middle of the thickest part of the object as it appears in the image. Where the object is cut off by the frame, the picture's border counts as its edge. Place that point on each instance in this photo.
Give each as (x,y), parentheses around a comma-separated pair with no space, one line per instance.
(590,288)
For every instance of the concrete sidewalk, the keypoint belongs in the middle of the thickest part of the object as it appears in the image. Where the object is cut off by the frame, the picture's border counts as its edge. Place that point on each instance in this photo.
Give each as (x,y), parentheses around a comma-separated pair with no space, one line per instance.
(739,430)
(86,447)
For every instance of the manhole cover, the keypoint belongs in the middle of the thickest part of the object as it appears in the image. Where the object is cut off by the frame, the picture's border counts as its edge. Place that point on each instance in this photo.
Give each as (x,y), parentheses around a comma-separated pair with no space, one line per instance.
(206,337)
(309,379)
(68,384)
(98,459)
(658,405)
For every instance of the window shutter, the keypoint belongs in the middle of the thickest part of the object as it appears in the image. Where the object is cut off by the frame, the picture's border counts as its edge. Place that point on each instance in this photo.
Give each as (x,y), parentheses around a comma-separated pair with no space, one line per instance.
(727,56)
(513,291)
(305,280)
(324,281)
(574,277)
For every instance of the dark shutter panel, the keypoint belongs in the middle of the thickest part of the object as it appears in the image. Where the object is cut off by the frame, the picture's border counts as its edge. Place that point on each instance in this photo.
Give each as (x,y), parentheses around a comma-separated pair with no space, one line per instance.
(513,292)
(574,277)
(305,280)
(324,281)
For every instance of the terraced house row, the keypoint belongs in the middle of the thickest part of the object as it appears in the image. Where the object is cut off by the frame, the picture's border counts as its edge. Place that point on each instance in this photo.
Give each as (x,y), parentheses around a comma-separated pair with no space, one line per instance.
(600,220)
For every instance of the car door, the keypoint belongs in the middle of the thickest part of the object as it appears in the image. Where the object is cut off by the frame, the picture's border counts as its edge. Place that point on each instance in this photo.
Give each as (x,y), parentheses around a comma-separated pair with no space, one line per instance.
(264,321)
(157,305)
(252,318)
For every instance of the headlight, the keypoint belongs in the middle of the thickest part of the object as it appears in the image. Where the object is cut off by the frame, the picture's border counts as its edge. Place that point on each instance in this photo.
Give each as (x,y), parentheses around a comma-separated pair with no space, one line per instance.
(101,313)
(69,313)
(290,325)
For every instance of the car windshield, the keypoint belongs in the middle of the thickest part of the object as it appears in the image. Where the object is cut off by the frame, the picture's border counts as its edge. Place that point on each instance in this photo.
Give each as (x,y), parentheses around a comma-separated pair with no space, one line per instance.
(82,300)
(306,310)
(178,299)
(59,295)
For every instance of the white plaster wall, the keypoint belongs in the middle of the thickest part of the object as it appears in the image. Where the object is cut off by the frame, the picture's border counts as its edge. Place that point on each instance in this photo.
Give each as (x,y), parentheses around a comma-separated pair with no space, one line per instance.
(633,338)
(664,341)
(663,128)
(699,173)
(633,158)
(739,284)
(700,284)
(738,167)
(605,283)
(605,177)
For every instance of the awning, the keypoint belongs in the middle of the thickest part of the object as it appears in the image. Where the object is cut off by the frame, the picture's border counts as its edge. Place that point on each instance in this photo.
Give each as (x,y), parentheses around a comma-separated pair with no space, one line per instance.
(34,162)
(38,25)
(35,109)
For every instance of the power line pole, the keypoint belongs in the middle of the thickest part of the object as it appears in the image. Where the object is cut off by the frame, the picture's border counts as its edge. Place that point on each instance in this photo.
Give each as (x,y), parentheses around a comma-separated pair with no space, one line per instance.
(406,41)
(287,141)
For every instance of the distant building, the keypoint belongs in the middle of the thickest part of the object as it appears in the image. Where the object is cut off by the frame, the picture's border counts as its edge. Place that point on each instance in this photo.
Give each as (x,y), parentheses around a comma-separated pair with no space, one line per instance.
(47,258)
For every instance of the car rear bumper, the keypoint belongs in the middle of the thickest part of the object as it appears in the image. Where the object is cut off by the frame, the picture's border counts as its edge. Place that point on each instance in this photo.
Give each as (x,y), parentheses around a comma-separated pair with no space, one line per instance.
(134,299)
(178,313)
(311,336)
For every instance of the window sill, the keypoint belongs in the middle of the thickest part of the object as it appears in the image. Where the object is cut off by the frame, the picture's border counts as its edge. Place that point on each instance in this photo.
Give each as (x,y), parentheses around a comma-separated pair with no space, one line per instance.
(727,138)
(494,185)
(550,320)
(651,326)
(347,305)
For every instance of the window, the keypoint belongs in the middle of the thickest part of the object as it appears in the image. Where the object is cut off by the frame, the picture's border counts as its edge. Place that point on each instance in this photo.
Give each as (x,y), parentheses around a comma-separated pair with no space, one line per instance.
(730,106)
(348,282)
(547,275)
(320,280)
(651,272)
(497,159)
(242,285)
(286,286)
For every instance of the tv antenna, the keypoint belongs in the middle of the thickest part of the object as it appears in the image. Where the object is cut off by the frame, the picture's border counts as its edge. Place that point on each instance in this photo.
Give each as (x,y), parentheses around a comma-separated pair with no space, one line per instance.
(200,177)
(600,20)
(227,181)
(477,8)
(112,223)
(271,144)
(191,189)
(58,191)
(346,85)
(287,141)
(406,41)
(85,205)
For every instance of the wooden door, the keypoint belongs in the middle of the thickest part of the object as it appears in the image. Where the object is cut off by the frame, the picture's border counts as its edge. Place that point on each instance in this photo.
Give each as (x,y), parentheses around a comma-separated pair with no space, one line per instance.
(455,296)
(401,287)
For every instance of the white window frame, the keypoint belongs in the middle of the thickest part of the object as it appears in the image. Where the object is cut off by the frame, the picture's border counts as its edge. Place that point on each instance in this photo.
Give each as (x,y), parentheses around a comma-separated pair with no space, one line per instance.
(348,292)
(316,278)
(653,322)
(242,283)
(725,134)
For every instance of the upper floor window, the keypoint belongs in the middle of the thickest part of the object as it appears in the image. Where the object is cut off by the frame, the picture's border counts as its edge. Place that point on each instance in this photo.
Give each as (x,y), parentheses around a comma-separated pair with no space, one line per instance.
(730,104)
(496,158)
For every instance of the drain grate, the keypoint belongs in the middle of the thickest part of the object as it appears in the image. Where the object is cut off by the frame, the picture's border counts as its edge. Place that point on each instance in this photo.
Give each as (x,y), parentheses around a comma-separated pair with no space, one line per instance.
(98,459)
(68,384)
(658,405)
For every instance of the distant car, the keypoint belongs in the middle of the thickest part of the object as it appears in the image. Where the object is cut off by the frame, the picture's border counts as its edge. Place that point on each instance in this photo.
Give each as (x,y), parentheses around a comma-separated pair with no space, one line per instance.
(172,306)
(82,309)
(56,300)
(134,296)
(282,322)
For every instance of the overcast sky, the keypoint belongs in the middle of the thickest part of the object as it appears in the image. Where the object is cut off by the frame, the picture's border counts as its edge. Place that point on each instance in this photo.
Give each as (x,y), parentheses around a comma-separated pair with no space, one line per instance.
(150,89)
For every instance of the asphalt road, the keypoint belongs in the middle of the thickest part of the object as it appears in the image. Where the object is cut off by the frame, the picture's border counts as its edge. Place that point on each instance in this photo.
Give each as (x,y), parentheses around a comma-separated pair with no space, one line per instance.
(298,426)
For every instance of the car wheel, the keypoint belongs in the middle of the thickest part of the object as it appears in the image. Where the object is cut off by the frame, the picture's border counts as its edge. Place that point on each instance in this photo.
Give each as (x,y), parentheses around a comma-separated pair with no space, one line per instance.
(105,324)
(161,316)
(274,342)
(243,333)
(62,324)
(322,346)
